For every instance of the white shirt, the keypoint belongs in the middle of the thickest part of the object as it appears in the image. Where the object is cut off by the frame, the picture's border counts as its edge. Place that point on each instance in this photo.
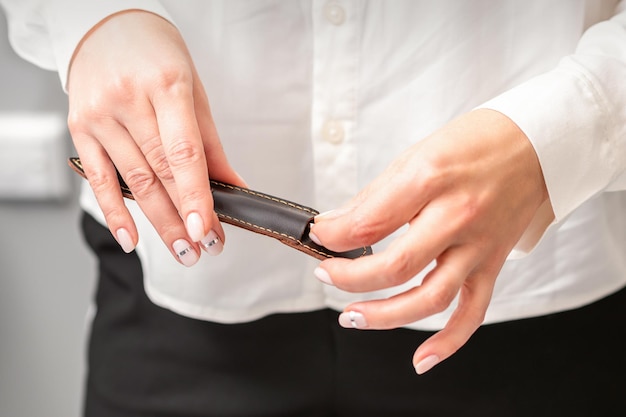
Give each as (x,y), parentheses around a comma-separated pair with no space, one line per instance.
(313,99)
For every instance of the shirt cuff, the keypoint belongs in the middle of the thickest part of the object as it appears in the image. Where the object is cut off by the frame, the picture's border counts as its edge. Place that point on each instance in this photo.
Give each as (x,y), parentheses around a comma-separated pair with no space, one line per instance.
(575,130)
(68,21)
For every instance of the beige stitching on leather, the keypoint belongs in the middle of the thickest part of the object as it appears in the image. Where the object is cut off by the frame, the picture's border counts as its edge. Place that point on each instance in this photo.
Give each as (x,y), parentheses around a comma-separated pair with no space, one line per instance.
(284,235)
(77,163)
(267,197)
(265,229)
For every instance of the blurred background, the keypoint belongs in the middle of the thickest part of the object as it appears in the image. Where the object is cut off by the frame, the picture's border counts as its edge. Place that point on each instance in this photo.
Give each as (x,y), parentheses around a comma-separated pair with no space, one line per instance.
(46,272)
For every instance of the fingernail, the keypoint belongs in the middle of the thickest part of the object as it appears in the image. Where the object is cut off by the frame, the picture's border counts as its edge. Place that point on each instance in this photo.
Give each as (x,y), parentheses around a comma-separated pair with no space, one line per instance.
(212,243)
(426,364)
(352,319)
(315,239)
(242,180)
(124,240)
(195,227)
(185,252)
(333,214)
(322,275)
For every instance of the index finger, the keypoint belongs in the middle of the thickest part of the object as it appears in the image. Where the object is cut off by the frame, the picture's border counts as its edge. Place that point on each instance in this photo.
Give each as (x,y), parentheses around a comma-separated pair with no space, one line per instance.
(386,204)
(427,237)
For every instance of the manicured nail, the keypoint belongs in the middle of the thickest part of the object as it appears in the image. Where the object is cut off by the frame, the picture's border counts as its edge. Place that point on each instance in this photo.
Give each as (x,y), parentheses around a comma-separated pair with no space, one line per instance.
(426,364)
(322,275)
(315,239)
(242,180)
(185,252)
(212,244)
(124,240)
(352,319)
(333,214)
(195,227)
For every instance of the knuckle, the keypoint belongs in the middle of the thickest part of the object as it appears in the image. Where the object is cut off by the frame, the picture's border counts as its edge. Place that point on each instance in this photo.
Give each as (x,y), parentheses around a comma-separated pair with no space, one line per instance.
(183,153)
(75,122)
(153,151)
(102,102)
(469,210)
(439,298)
(114,215)
(173,79)
(161,167)
(433,164)
(121,88)
(430,176)
(475,317)
(169,229)
(365,231)
(399,267)
(100,182)
(82,119)
(141,181)
(170,81)
(193,196)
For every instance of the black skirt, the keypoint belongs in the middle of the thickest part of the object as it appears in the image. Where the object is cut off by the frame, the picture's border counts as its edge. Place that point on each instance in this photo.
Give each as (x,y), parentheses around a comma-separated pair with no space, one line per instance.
(146,361)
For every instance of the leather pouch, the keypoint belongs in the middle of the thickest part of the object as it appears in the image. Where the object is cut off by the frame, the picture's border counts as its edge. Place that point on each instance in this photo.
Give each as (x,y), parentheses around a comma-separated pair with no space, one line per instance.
(262,213)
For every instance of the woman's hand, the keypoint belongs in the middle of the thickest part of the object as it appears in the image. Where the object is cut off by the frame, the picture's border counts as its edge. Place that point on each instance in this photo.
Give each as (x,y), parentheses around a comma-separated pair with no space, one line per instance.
(136,104)
(467,192)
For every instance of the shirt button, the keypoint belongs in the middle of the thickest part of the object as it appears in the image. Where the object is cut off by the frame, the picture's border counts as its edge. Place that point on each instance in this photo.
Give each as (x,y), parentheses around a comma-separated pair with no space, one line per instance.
(334,13)
(333,132)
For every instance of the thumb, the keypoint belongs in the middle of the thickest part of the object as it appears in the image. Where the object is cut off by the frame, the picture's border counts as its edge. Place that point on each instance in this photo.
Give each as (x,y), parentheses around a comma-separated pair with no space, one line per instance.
(377,211)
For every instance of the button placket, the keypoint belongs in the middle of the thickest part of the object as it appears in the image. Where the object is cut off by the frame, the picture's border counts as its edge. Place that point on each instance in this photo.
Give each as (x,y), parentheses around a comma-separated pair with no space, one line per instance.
(336,29)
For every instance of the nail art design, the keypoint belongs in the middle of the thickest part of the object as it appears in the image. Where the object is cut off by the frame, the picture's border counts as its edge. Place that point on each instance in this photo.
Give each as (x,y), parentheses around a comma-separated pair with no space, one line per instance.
(352,319)
(185,252)
(212,243)
(352,316)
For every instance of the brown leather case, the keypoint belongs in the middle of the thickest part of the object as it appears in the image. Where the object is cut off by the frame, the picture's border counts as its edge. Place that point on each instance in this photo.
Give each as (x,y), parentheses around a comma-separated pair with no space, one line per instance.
(262,213)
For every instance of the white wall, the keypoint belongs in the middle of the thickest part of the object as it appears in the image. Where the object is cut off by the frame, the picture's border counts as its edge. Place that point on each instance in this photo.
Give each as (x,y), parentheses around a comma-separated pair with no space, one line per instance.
(46,274)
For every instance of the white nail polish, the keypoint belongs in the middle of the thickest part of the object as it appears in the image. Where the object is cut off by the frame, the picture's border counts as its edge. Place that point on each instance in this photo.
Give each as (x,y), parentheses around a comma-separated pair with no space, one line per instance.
(124,240)
(242,180)
(195,227)
(212,244)
(185,252)
(322,275)
(315,239)
(333,214)
(352,319)
(426,364)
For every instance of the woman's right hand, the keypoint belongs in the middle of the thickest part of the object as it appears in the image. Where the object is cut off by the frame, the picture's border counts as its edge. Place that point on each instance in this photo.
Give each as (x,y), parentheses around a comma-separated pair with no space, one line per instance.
(137,104)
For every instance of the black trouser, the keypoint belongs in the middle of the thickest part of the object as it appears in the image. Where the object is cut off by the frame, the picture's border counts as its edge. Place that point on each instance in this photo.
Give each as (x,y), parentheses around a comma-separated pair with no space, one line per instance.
(147,361)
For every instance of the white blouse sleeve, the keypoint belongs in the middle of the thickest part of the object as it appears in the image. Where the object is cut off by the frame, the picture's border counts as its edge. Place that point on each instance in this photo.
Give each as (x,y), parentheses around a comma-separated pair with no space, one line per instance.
(46,32)
(575,117)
